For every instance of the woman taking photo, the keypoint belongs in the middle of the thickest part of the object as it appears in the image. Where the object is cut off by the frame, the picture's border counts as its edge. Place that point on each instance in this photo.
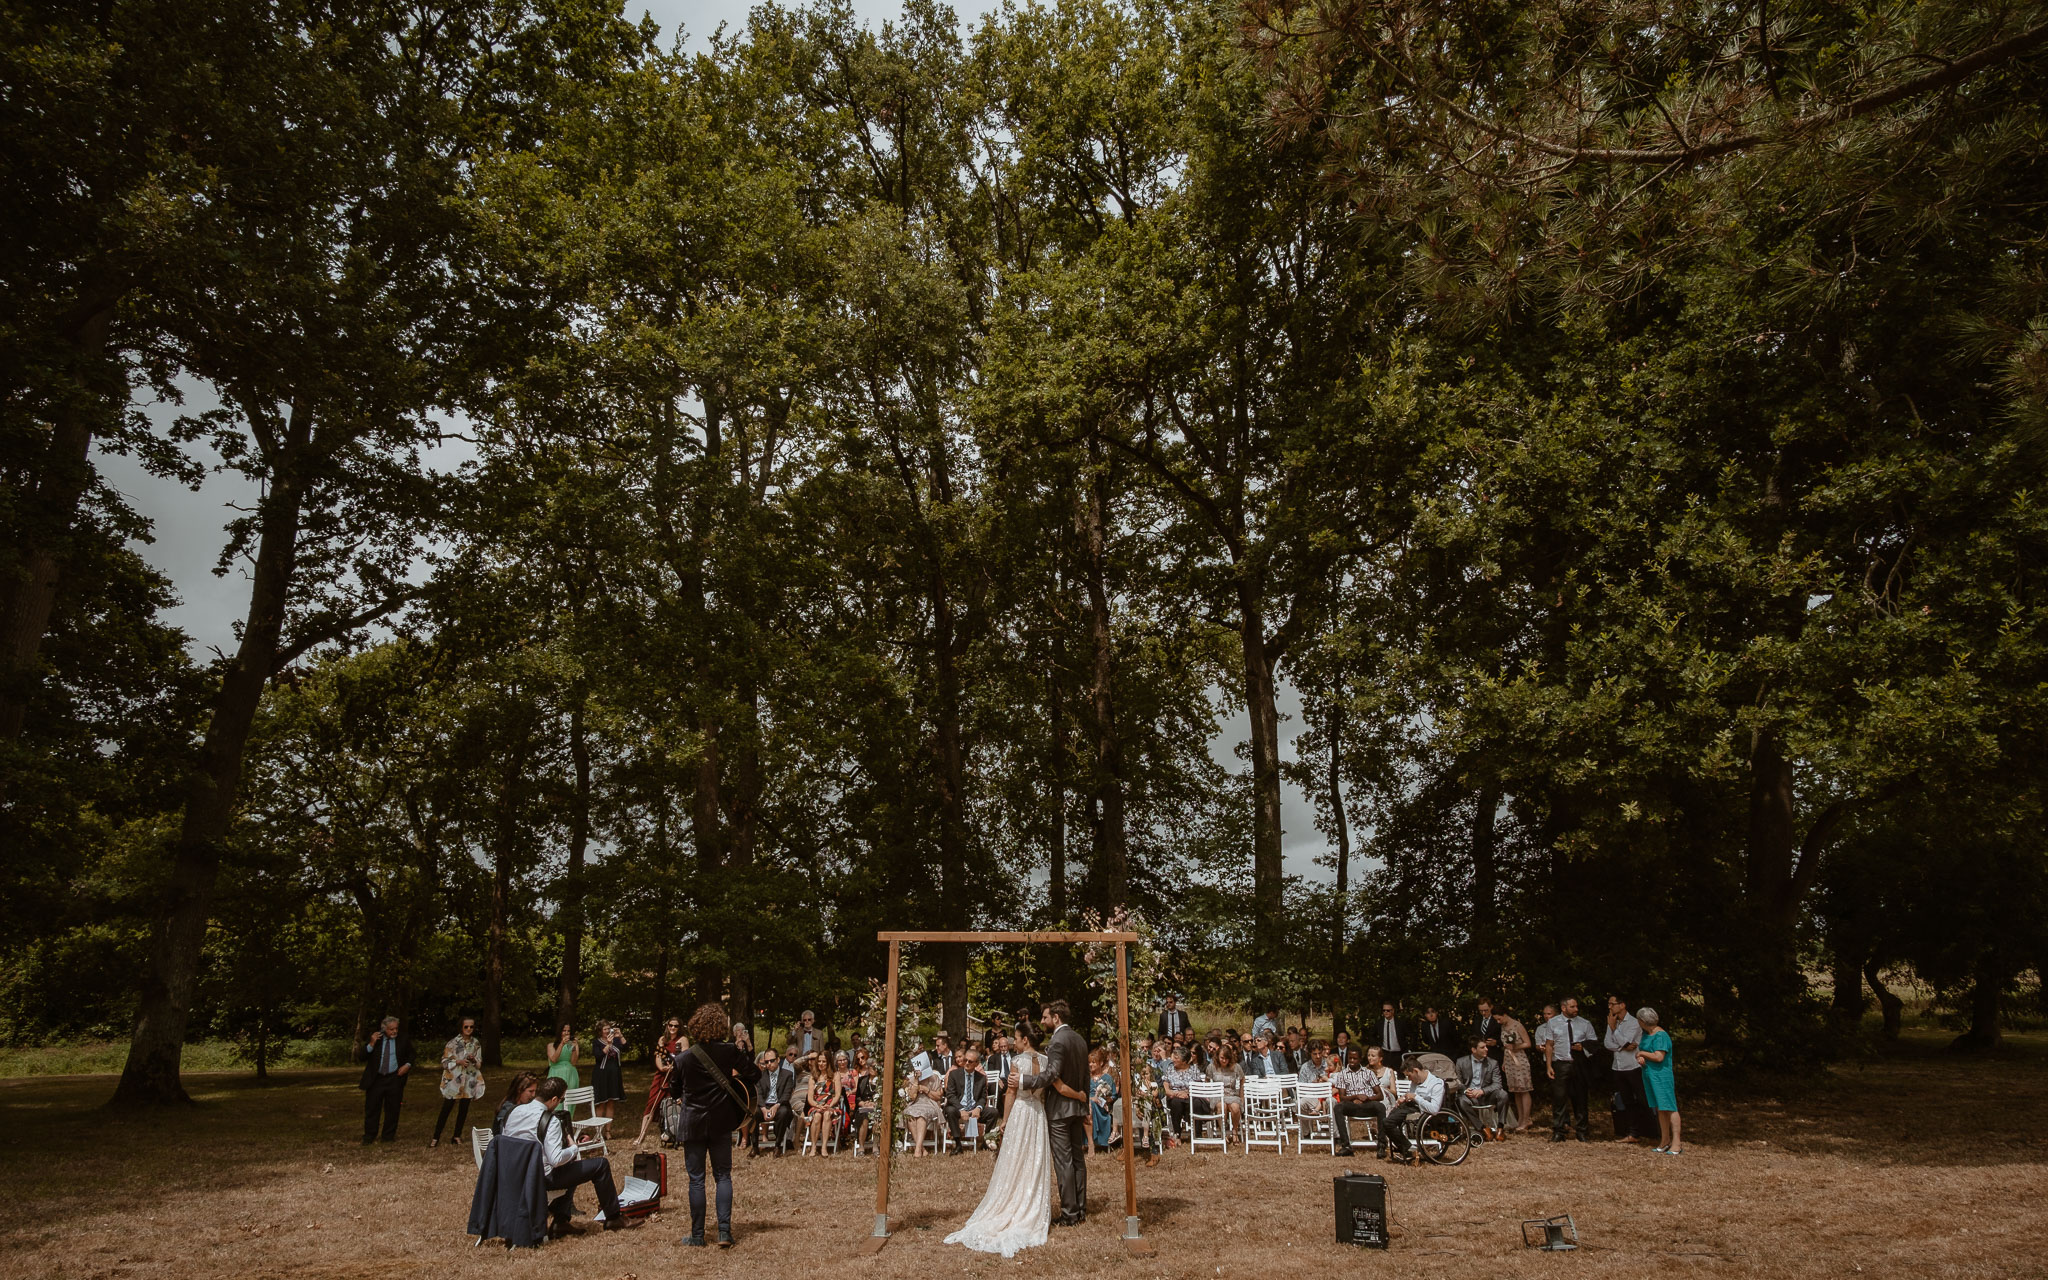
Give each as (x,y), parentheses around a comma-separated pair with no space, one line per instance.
(608,1078)
(924,1089)
(716,1096)
(865,1095)
(562,1059)
(671,1043)
(1102,1096)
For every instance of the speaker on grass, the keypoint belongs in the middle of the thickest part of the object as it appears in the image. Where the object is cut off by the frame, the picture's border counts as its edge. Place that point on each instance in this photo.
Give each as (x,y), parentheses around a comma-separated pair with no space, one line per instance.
(1361,1210)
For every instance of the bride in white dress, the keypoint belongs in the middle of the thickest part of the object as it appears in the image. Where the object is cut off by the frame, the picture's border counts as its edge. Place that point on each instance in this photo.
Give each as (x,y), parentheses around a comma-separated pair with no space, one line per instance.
(1016,1210)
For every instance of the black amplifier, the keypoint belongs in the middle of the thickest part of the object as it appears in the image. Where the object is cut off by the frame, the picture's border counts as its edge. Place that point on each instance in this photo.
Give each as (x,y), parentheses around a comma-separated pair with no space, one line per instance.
(1362,1210)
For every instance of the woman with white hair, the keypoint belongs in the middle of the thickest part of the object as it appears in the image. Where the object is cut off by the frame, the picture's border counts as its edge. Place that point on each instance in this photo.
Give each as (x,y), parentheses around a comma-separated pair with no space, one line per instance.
(1659,1086)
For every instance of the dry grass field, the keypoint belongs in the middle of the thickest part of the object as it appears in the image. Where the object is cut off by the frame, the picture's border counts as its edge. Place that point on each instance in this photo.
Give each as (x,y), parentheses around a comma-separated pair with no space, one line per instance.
(1917,1166)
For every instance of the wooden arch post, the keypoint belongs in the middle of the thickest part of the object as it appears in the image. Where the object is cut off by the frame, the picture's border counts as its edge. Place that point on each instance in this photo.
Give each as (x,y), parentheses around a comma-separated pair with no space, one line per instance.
(1133,1239)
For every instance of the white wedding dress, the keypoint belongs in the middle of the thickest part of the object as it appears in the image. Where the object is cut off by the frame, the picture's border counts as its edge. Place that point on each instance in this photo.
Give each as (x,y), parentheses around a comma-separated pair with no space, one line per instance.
(1016,1210)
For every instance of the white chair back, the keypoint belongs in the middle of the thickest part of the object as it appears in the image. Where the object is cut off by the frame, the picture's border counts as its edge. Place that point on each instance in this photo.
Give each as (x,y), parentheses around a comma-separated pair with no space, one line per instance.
(479,1142)
(1265,1119)
(1313,1119)
(1205,1108)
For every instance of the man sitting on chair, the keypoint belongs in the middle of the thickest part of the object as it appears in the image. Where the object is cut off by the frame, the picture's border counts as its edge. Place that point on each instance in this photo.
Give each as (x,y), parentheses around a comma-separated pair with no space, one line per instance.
(1483,1086)
(566,1171)
(969,1096)
(1354,1091)
(1427,1100)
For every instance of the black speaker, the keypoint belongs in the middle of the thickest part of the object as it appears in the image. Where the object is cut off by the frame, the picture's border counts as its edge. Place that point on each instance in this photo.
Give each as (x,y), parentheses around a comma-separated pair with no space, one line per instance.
(1362,1210)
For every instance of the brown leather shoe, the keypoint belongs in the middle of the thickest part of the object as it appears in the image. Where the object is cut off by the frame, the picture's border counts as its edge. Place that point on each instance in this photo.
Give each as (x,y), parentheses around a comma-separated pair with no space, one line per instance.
(1151,1159)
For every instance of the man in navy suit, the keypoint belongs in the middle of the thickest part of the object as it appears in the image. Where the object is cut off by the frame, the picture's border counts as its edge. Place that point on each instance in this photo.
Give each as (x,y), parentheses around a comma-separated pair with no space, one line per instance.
(387,1060)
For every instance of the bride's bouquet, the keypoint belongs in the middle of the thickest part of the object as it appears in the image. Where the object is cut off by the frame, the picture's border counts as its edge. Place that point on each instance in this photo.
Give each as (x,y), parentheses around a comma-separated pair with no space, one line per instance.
(994,1138)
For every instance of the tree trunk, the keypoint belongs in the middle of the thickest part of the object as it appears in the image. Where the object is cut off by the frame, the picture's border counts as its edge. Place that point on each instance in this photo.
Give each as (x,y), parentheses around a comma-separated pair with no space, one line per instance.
(151,1076)
(1268,925)
(572,875)
(1845,1008)
(1056,851)
(48,517)
(1987,996)
(1485,876)
(1342,830)
(1768,972)
(1888,1003)
(953,905)
(504,850)
(1112,850)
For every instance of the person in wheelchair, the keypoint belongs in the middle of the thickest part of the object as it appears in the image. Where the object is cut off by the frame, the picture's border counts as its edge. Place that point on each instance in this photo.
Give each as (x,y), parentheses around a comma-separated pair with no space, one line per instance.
(1427,1100)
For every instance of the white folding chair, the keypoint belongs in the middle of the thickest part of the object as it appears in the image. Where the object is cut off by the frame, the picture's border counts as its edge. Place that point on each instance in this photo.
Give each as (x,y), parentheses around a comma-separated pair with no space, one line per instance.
(1265,1123)
(1287,1084)
(831,1136)
(1199,1092)
(479,1142)
(589,1131)
(1314,1122)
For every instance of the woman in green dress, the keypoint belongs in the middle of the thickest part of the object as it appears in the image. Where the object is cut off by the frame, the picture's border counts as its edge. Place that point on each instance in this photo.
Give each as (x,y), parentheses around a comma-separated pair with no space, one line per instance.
(562,1059)
(1659,1086)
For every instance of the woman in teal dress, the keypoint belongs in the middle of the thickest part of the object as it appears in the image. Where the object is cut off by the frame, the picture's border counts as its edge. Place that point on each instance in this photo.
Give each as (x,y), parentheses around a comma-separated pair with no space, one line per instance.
(1659,1086)
(562,1059)
(1102,1096)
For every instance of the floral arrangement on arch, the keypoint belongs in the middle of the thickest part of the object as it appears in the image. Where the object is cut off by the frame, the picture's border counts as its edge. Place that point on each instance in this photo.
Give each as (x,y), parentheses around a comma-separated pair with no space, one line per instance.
(1145,975)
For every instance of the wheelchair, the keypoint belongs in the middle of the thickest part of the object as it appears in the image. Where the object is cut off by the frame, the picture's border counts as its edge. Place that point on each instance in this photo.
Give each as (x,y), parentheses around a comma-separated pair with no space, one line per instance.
(1442,1138)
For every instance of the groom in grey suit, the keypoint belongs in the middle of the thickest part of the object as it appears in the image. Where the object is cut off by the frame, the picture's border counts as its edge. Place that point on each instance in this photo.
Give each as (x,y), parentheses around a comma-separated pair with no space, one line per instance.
(1066,1110)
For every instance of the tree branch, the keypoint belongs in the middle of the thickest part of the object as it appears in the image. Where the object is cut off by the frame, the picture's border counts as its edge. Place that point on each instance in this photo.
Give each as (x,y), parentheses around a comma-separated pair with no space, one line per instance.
(338,627)
(1952,74)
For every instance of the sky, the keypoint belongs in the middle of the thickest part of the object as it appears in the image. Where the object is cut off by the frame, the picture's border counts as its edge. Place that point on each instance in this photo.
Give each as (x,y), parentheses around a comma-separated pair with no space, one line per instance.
(188,526)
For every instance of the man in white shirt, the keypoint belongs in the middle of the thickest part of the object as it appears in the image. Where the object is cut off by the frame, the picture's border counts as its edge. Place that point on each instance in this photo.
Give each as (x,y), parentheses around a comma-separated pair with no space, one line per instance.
(1428,1099)
(1266,1024)
(565,1169)
(1566,1043)
(1624,1036)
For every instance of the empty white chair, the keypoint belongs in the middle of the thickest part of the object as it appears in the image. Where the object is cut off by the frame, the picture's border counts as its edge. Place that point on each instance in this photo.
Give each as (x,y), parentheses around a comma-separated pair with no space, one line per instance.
(589,1131)
(479,1142)
(1205,1107)
(1265,1123)
(1287,1084)
(1314,1123)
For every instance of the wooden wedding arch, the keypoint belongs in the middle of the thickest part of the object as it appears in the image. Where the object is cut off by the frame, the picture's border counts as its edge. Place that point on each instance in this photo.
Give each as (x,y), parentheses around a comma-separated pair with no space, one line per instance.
(1132,1238)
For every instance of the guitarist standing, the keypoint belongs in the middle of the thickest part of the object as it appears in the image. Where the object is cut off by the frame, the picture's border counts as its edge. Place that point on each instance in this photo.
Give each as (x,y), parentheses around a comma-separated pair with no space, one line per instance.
(717,1083)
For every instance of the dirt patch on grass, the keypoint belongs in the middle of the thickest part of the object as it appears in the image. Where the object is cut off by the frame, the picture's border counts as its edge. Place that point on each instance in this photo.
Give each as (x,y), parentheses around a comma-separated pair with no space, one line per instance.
(1892,1166)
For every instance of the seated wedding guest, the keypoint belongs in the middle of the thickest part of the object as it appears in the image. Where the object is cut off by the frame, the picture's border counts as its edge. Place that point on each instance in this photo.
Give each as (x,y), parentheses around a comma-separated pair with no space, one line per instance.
(566,1169)
(925,1088)
(386,1061)
(866,1099)
(1267,1060)
(942,1053)
(1356,1092)
(1102,1098)
(1313,1069)
(776,1100)
(800,1102)
(1175,1081)
(665,1050)
(519,1091)
(1227,1071)
(1481,1077)
(822,1103)
(1297,1048)
(1376,1064)
(462,1078)
(969,1096)
(713,1099)
(849,1082)
(608,1075)
(997,1064)
(1426,1100)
